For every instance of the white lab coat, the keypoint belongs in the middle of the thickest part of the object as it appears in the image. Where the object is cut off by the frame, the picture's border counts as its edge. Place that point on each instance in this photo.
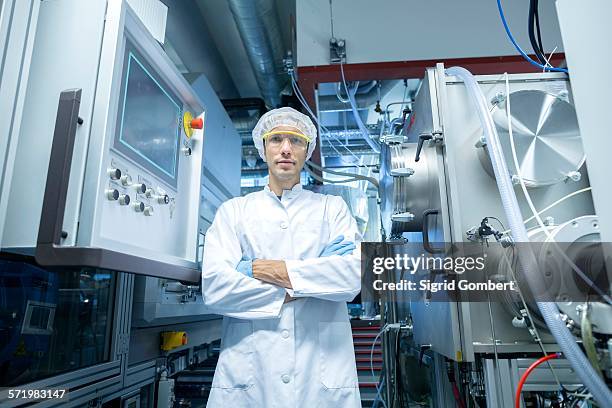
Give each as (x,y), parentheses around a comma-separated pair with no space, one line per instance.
(298,354)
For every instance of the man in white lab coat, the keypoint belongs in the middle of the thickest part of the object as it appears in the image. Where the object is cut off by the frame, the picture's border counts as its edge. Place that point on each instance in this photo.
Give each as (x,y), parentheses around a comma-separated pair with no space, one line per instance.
(280,265)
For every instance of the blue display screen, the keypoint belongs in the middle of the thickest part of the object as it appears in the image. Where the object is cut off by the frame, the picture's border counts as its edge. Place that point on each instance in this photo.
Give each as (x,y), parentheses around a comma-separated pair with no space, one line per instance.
(149,120)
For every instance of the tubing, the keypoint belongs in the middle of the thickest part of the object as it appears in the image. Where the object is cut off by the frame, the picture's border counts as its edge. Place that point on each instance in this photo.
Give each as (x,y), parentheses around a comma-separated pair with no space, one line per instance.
(355,176)
(519,389)
(366,134)
(572,352)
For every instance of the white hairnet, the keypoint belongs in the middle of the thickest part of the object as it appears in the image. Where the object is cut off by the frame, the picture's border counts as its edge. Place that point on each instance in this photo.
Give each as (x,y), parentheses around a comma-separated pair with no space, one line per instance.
(284,117)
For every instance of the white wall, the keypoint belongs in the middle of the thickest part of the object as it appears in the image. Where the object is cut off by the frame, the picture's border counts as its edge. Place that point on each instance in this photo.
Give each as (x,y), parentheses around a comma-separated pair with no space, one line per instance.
(404,30)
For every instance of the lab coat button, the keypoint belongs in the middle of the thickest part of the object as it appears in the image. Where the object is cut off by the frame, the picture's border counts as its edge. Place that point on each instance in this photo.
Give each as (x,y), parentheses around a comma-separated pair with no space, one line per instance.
(284,225)
(285,334)
(285,378)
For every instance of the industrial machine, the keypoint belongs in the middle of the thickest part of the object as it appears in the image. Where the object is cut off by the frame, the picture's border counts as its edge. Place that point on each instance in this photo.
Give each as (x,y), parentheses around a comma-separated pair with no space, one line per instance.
(111,177)
(127,150)
(438,187)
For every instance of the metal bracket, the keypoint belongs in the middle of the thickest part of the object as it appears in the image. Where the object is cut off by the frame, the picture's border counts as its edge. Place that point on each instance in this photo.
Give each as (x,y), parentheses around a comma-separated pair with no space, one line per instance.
(337,51)
(123,343)
(392,139)
(438,138)
(288,65)
(402,217)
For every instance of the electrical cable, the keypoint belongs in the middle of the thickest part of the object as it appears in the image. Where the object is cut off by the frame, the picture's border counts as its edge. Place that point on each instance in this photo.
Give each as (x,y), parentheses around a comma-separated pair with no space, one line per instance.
(559,201)
(532,35)
(537,25)
(457,395)
(341,173)
(324,180)
(519,388)
(519,49)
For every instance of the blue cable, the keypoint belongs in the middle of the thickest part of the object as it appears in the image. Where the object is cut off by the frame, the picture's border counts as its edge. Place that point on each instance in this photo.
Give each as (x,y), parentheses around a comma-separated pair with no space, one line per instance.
(532,62)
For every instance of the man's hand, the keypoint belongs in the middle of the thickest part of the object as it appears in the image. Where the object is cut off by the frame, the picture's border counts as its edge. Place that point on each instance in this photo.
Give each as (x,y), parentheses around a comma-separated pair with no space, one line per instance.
(274,272)
(338,247)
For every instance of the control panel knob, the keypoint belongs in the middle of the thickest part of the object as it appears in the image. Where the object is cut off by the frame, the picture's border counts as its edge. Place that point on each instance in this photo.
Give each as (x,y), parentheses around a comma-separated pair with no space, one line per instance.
(112,194)
(149,192)
(163,199)
(140,188)
(124,199)
(138,206)
(114,174)
(126,180)
(148,210)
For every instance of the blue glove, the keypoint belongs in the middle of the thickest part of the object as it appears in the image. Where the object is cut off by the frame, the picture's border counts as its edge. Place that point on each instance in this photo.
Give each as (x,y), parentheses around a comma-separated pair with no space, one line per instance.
(338,247)
(245,267)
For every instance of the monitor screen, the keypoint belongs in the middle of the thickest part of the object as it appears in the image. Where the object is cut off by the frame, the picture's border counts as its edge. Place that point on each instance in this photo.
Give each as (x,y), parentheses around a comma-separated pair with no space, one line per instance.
(149,119)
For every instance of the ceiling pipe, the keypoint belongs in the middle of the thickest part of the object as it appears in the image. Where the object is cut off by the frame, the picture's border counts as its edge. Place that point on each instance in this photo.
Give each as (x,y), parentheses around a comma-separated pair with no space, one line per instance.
(258,24)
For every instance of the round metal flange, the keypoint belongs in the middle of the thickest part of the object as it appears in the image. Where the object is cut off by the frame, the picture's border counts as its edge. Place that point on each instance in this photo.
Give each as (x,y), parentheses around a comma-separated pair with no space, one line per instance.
(546,138)
(578,239)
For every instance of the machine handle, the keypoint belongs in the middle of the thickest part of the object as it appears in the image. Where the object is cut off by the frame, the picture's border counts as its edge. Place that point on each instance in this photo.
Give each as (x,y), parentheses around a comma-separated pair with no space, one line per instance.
(49,251)
(56,189)
(422,139)
(426,244)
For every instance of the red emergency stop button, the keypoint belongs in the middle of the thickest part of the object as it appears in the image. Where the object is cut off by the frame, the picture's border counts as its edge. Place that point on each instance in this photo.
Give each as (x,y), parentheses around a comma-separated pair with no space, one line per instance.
(190,123)
(197,123)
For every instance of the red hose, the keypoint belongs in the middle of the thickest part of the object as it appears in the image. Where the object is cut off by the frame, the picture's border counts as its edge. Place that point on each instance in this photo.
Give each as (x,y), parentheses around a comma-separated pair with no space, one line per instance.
(517,397)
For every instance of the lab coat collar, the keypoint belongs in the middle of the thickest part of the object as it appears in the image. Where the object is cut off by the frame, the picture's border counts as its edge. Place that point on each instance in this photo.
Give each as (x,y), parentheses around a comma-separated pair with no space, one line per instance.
(294,192)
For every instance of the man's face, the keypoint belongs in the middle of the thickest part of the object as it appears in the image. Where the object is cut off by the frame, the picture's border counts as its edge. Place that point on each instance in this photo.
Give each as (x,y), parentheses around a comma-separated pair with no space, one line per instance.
(285,161)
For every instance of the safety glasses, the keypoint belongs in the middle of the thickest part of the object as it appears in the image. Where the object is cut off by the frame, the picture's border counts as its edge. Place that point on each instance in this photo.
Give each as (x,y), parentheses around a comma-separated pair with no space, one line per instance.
(276,139)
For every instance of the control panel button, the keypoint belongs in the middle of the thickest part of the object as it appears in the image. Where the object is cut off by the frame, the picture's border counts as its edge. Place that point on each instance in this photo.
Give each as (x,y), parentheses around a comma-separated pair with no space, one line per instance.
(124,199)
(138,206)
(197,123)
(163,199)
(149,192)
(190,123)
(114,174)
(140,188)
(112,194)
(126,180)
(148,210)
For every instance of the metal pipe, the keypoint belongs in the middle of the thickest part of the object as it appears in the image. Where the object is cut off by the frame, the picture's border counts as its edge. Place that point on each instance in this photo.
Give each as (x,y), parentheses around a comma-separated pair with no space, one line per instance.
(257,23)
